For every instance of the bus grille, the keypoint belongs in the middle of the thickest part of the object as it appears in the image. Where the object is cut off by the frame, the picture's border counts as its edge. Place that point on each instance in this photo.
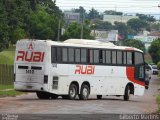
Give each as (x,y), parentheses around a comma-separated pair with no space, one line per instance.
(55,83)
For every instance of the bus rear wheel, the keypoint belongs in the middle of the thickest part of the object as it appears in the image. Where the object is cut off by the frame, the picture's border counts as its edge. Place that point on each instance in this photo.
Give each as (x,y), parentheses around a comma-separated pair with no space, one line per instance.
(72,92)
(65,96)
(43,95)
(99,96)
(84,92)
(127,93)
(53,96)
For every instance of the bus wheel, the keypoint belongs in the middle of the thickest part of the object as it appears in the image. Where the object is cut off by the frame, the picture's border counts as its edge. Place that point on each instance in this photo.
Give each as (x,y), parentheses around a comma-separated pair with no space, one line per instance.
(54,96)
(84,92)
(65,96)
(127,93)
(72,91)
(43,95)
(99,96)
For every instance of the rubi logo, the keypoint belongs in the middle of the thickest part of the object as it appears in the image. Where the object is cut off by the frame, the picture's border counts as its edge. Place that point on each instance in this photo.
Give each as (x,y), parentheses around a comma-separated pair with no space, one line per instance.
(89,69)
(30,46)
(30,56)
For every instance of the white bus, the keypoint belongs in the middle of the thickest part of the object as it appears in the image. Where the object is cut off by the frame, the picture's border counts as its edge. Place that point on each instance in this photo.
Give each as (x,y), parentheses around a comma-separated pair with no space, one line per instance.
(78,67)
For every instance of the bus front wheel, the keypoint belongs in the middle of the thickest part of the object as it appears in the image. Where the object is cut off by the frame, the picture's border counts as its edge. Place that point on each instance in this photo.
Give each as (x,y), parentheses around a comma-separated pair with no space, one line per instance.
(84,92)
(127,93)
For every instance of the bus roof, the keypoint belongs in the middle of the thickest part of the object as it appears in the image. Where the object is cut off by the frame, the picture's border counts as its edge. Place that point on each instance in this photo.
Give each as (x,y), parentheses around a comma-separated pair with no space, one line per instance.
(85,43)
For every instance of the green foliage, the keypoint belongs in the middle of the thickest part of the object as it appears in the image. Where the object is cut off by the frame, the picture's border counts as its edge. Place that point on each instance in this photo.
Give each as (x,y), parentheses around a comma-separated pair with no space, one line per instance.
(155,26)
(147,18)
(28,19)
(82,12)
(134,43)
(158,65)
(158,101)
(137,24)
(74,31)
(7,56)
(103,25)
(11,93)
(111,12)
(122,29)
(93,14)
(42,25)
(154,50)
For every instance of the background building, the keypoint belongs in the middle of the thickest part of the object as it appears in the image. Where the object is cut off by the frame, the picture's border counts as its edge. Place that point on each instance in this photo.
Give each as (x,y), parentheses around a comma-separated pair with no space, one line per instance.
(71,17)
(117,18)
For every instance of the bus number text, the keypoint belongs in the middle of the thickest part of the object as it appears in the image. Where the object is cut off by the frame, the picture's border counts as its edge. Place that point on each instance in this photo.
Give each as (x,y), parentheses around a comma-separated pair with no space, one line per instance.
(89,69)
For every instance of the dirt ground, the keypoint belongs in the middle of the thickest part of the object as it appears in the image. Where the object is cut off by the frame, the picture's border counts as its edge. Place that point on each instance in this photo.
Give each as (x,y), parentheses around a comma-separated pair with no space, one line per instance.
(30,104)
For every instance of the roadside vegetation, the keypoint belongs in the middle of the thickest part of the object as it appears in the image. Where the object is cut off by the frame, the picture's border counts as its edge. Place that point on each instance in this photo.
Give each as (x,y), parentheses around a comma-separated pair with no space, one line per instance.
(158,101)
(7,90)
(7,56)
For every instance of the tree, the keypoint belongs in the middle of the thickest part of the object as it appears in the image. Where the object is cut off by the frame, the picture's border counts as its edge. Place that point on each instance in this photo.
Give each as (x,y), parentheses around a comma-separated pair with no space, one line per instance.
(137,24)
(82,12)
(4,29)
(111,12)
(103,25)
(122,29)
(155,26)
(42,25)
(74,31)
(154,50)
(147,18)
(93,14)
(28,19)
(134,43)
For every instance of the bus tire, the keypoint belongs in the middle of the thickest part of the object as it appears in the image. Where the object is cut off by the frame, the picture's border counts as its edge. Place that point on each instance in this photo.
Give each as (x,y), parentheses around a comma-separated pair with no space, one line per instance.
(84,93)
(43,95)
(54,96)
(72,92)
(99,96)
(65,97)
(127,93)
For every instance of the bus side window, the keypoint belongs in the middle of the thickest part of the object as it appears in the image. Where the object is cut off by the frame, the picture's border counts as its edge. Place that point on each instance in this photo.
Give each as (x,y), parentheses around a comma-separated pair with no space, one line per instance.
(77,55)
(71,55)
(83,55)
(138,58)
(59,54)
(101,56)
(108,57)
(90,56)
(119,57)
(96,56)
(53,54)
(124,58)
(114,57)
(65,54)
(129,58)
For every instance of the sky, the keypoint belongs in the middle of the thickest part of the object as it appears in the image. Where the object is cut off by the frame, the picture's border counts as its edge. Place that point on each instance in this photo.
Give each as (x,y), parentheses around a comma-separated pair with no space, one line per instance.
(125,6)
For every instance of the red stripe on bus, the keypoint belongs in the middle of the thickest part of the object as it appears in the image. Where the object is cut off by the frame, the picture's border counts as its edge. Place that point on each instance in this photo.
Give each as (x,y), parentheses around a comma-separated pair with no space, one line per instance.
(130,76)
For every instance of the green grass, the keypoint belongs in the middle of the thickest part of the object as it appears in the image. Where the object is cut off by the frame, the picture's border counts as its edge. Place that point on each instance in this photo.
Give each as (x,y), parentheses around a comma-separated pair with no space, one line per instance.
(8,90)
(4,87)
(10,93)
(158,101)
(7,56)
